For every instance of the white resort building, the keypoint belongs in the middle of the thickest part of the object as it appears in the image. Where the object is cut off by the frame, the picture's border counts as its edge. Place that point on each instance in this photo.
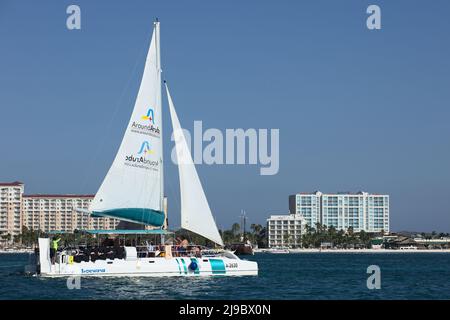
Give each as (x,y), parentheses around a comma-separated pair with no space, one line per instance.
(285,230)
(361,210)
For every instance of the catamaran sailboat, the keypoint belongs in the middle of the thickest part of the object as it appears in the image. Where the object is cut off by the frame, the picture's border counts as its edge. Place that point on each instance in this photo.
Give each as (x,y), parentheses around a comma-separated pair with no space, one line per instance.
(133,191)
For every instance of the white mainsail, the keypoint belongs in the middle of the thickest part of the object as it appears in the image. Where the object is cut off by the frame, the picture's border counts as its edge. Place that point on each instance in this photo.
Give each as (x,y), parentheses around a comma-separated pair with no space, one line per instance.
(196,214)
(133,186)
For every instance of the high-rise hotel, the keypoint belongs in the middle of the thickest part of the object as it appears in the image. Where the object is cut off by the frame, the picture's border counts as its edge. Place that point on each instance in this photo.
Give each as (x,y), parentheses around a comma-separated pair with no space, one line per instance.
(361,211)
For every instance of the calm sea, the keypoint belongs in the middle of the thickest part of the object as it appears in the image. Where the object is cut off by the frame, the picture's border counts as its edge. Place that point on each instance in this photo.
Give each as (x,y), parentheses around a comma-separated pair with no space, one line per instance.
(290,276)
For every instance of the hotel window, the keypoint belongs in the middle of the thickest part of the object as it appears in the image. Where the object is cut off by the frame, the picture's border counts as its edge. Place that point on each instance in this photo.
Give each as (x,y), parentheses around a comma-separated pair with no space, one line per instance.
(378,201)
(333,201)
(353,201)
(306,201)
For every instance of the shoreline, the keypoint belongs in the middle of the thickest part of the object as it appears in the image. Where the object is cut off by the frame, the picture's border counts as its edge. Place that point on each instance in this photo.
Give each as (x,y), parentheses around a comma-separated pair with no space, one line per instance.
(354,251)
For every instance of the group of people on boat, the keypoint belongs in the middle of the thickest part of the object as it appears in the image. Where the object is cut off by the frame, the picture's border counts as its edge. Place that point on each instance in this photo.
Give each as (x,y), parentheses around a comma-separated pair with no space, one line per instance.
(115,249)
(180,249)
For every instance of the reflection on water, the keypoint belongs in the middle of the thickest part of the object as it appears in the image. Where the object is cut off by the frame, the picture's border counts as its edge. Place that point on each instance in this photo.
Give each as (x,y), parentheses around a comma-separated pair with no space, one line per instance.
(292,276)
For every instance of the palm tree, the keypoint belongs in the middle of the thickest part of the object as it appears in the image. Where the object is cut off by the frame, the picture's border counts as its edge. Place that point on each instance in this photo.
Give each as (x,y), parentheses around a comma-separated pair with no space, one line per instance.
(7,237)
(236,228)
(340,237)
(320,227)
(256,230)
(364,238)
(309,229)
(332,235)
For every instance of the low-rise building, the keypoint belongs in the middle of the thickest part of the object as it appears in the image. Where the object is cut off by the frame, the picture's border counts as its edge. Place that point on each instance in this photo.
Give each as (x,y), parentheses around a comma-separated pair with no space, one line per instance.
(285,230)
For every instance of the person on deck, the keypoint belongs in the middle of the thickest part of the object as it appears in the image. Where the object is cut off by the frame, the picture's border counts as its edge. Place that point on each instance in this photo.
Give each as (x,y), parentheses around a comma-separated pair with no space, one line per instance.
(54,249)
(183,247)
(197,252)
(150,249)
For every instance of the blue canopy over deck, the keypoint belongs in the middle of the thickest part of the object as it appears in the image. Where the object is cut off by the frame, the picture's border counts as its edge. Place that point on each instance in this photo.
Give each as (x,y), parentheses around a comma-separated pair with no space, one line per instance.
(155,231)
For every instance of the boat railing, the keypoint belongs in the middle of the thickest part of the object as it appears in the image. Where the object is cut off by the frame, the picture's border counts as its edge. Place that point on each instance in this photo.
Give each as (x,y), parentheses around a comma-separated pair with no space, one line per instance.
(92,253)
(175,251)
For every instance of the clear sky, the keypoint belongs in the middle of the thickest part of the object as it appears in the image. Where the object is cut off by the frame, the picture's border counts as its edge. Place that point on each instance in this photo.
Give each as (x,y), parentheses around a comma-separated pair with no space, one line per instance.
(357,109)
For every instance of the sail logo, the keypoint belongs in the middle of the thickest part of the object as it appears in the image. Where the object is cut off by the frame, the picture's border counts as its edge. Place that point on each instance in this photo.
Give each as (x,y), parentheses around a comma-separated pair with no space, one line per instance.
(150,116)
(145,148)
(140,161)
(149,128)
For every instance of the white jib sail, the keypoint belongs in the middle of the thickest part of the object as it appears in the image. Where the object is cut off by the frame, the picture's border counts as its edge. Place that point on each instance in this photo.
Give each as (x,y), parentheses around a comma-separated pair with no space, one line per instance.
(196,214)
(135,177)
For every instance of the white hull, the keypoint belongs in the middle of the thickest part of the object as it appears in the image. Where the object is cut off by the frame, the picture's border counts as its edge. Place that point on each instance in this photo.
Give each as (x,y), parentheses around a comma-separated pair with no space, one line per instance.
(155,267)
(226,265)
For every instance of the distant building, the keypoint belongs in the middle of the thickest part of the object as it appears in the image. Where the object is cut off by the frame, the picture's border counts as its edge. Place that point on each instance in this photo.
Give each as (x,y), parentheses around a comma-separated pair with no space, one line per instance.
(308,205)
(50,212)
(361,211)
(285,230)
(11,208)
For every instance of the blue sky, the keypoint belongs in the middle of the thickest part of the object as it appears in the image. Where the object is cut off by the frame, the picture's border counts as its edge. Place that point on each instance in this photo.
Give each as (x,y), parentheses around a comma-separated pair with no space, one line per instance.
(356,109)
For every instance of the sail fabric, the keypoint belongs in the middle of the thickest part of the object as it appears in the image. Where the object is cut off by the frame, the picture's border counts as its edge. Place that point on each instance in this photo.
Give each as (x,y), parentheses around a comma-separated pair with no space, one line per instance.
(133,187)
(196,214)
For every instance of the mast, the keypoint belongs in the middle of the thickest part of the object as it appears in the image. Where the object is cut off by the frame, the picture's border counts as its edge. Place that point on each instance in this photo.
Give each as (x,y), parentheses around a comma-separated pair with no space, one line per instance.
(159,101)
(159,71)
(243,221)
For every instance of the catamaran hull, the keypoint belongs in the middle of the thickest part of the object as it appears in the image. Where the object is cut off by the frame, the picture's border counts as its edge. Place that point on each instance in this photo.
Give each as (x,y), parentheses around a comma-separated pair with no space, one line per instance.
(144,267)
(155,267)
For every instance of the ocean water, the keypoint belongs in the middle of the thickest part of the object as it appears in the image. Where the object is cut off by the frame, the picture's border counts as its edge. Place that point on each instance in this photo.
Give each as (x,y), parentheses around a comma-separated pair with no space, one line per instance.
(282,276)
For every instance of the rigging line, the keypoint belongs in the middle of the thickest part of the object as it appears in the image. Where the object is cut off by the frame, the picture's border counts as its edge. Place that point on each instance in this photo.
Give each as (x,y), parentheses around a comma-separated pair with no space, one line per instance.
(101,140)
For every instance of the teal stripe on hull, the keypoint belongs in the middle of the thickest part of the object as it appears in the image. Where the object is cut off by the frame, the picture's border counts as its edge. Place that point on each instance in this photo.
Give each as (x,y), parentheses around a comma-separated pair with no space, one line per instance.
(178,263)
(184,266)
(137,215)
(217,266)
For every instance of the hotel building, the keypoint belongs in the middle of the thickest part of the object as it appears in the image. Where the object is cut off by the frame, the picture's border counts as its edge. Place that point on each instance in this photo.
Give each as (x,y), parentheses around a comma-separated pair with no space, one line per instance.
(361,211)
(308,205)
(11,208)
(285,230)
(49,212)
